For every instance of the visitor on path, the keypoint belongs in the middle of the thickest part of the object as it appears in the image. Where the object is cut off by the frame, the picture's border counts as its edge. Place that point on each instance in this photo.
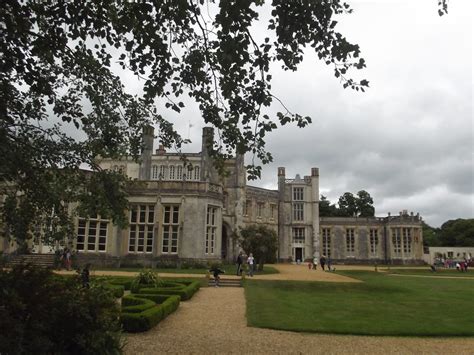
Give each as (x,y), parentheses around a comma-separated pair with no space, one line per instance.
(315,263)
(433,268)
(250,262)
(66,258)
(328,263)
(322,261)
(239,264)
(216,272)
(85,275)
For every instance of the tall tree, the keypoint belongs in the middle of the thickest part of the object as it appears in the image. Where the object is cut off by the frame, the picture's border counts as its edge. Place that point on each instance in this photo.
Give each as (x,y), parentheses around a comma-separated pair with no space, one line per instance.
(365,204)
(261,241)
(348,205)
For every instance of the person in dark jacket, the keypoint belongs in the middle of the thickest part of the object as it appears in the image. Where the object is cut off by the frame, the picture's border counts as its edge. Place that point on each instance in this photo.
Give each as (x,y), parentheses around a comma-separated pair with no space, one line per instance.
(239,264)
(322,261)
(85,276)
(216,272)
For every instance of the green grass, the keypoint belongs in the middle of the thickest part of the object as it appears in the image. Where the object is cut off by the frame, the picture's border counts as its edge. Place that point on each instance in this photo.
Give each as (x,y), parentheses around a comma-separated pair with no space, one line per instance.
(427,272)
(229,270)
(381,305)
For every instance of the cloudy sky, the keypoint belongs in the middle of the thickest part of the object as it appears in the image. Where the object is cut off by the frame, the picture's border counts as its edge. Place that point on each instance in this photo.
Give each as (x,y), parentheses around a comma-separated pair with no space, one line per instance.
(408,140)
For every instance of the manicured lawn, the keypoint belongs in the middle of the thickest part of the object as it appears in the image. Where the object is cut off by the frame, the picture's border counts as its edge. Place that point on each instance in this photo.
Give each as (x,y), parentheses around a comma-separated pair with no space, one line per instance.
(427,272)
(229,270)
(381,305)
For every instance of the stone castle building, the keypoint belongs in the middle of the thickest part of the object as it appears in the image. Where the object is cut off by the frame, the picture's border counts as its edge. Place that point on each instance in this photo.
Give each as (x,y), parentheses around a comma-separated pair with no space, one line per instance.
(187,211)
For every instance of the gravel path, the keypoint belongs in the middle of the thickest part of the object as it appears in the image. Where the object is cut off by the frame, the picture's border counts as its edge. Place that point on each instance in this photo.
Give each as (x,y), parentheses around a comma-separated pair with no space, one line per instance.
(214,322)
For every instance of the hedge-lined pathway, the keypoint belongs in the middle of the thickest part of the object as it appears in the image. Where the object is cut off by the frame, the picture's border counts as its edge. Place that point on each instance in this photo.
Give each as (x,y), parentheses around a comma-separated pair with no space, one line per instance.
(214,322)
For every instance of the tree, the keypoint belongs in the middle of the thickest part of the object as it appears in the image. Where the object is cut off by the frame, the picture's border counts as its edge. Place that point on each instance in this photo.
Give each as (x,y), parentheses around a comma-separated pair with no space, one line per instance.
(365,204)
(348,205)
(261,241)
(430,235)
(326,209)
(57,76)
(457,232)
(361,205)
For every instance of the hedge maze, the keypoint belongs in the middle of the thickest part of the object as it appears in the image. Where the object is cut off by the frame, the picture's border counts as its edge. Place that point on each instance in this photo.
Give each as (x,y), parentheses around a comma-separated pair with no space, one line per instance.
(145,307)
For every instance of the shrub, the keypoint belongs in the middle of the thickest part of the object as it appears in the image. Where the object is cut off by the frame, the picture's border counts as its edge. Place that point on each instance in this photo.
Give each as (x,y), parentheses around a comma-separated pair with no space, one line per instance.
(42,313)
(146,278)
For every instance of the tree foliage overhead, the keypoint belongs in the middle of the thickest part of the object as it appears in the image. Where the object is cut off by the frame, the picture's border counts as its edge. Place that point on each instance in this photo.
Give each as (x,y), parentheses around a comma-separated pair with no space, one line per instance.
(60,64)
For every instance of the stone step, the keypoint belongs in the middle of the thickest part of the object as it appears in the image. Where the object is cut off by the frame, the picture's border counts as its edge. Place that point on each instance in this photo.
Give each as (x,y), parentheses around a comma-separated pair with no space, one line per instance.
(226,283)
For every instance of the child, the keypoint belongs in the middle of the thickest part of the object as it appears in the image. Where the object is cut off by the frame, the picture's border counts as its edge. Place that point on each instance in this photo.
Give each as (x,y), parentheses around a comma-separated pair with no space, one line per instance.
(215,272)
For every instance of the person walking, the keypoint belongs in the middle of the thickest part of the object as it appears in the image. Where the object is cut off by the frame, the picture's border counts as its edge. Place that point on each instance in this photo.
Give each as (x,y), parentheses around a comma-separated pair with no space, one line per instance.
(250,262)
(239,264)
(315,263)
(328,263)
(322,261)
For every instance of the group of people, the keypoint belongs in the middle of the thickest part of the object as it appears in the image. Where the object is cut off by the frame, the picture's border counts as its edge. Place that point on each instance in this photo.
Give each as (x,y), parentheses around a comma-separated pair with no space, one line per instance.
(65,257)
(250,262)
(323,261)
(459,265)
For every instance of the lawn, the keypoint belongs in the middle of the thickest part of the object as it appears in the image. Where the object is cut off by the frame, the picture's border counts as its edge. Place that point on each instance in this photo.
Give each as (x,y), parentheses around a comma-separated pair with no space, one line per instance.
(381,305)
(228,268)
(427,272)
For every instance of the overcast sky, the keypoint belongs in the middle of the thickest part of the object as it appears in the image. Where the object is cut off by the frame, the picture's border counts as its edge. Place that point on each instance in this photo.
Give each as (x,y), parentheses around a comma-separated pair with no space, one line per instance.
(408,140)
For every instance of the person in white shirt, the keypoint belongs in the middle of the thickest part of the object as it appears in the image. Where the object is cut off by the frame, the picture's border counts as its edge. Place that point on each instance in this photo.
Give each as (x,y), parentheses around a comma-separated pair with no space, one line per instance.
(250,261)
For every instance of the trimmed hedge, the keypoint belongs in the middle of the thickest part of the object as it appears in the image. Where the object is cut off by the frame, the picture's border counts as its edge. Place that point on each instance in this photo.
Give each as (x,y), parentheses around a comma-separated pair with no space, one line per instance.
(117,290)
(126,282)
(131,304)
(186,290)
(148,318)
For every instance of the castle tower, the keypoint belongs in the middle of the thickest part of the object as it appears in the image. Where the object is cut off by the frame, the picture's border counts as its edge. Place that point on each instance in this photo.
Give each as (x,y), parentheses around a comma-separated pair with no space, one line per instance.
(315,211)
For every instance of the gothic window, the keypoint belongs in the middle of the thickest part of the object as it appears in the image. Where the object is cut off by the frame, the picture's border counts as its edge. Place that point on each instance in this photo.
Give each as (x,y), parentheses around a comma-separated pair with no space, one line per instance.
(406,240)
(260,206)
(273,209)
(297,194)
(374,241)
(298,211)
(142,220)
(170,229)
(350,240)
(92,234)
(162,172)
(172,168)
(211,229)
(396,241)
(197,175)
(179,173)
(326,232)
(298,235)
(247,208)
(155,172)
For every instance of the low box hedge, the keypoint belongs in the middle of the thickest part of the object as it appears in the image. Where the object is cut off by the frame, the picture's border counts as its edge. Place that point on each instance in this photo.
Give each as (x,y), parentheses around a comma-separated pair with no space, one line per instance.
(131,304)
(185,291)
(148,318)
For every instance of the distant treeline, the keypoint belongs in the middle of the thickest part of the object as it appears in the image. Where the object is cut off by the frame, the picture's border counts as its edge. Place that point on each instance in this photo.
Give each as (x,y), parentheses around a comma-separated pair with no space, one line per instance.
(454,233)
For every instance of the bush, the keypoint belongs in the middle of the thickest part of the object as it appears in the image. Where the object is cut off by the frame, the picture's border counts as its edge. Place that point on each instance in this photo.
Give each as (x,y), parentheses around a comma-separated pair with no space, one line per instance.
(146,278)
(42,313)
(147,318)
(132,304)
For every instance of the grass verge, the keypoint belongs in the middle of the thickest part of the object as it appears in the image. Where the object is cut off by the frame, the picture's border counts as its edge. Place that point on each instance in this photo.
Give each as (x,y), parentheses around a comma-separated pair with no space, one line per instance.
(381,305)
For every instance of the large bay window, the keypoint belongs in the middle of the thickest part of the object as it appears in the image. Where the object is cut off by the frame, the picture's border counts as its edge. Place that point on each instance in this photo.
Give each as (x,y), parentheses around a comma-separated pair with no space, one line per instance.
(170,229)
(92,234)
(142,219)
